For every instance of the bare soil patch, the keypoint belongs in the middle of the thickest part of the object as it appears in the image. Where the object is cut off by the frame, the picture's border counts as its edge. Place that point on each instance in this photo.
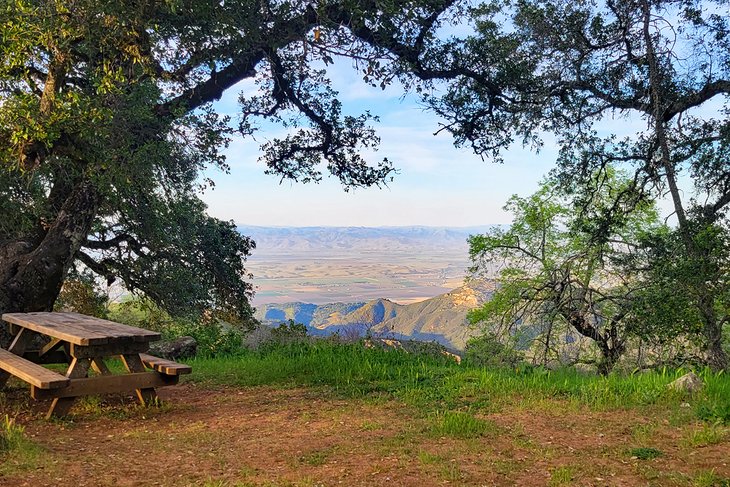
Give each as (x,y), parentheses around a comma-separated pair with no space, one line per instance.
(264,436)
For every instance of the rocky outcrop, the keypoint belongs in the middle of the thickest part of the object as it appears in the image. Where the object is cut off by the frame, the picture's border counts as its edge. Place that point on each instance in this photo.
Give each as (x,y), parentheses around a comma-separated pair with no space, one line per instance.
(688,383)
(179,348)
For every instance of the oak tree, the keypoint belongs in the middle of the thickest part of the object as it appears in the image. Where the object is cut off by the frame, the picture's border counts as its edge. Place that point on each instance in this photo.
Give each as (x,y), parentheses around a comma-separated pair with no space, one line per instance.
(106,126)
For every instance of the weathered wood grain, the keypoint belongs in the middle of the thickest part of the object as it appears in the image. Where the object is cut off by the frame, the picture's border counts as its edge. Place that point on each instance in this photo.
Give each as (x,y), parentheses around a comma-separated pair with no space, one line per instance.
(165,366)
(107,384)
(34,374)
(80,329)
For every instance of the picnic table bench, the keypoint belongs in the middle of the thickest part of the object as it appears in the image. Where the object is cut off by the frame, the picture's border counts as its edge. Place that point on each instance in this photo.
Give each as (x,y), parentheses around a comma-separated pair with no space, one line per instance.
(83,342)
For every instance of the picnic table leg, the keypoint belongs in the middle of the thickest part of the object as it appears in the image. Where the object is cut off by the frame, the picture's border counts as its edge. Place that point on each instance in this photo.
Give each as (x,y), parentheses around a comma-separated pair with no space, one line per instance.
(99,366)
(19,344)
(133,363)
(78,369)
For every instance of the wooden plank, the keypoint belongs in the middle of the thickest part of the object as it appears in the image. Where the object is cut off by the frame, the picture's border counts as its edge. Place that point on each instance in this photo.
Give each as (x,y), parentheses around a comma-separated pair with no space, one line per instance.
(80,329)
(107,349)
(118,332)
(55,342)
(134,364)
(78,369)
(99,366)
(18,346)
(65,331)
(107,384)
(31,373)
(165,366)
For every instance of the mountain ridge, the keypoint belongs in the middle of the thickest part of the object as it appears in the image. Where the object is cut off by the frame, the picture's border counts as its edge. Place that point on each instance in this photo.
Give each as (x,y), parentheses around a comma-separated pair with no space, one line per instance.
(441,318)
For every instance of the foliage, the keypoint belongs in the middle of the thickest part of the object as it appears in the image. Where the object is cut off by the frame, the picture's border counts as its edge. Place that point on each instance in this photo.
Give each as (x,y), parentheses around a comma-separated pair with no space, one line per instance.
(489,351)
(570,69)
(107,133)
(556,272)
(287,332)
(645,453)
(80,293)
(214,338)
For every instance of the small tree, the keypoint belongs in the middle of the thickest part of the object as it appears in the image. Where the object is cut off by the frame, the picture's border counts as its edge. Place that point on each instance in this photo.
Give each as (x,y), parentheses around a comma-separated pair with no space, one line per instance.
(555,270)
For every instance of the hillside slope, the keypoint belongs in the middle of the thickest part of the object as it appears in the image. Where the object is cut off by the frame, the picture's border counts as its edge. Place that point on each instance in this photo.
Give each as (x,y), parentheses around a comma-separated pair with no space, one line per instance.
(441,318)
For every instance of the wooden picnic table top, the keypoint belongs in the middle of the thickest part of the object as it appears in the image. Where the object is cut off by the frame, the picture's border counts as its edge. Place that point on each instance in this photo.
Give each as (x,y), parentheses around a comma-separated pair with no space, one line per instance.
(80,329)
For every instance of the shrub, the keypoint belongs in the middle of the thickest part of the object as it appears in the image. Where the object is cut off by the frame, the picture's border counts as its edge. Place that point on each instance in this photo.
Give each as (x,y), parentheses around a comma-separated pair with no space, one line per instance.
(489,351)
(289,332)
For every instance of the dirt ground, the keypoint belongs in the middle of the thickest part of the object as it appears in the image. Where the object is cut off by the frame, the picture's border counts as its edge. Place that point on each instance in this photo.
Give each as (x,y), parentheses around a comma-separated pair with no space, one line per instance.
(270,437)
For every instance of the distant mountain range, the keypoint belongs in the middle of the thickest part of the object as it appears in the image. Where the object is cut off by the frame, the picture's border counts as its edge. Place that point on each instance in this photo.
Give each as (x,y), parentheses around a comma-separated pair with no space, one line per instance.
(378,239)
(441,318)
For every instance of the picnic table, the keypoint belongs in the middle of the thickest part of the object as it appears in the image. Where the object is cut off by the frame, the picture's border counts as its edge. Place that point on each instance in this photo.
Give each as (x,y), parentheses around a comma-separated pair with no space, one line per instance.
(83,343)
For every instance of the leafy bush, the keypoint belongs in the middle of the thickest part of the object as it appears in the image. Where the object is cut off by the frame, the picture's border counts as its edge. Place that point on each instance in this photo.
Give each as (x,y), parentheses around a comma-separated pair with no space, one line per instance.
(289,332)
(213,339)
(80,293)
(489,351)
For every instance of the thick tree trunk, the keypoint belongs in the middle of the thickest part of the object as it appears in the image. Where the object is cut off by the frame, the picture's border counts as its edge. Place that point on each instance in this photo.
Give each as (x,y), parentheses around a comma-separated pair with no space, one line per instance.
(610,346)
(716,357)
(32,272)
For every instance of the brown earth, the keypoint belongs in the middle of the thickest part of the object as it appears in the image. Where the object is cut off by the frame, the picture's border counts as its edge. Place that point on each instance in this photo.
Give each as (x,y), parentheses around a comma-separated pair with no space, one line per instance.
(271,437)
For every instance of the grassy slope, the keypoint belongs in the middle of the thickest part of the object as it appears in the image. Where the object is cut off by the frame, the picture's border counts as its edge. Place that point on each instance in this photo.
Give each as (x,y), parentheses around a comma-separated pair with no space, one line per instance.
(432,384)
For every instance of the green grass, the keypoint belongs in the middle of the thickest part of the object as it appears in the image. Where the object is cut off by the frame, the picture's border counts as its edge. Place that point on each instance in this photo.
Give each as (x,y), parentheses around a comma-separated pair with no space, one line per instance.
(708,478)
(645,453)
(17,453)
(434,384)
(457,424)
(709,434)
(561,476)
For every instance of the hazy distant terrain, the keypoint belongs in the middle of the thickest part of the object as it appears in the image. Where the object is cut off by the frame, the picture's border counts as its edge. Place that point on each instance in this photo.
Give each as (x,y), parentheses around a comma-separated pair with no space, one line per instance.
(354,264)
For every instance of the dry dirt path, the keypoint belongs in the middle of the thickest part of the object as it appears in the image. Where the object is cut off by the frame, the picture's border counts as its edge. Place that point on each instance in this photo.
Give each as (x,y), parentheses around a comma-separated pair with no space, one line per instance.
(205,436)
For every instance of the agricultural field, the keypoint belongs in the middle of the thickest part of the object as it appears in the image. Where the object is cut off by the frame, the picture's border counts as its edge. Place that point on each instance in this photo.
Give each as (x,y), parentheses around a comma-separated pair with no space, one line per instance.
(331,264)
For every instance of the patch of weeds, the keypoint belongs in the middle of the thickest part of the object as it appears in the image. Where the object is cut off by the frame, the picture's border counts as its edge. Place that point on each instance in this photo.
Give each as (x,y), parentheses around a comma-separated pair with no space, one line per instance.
(645,453)
(457,424)
(648,472)
(643,433)
(711,434)
(370,426)
(245,472)
(215,483)
(561,476)
(315,458)
(427,458)
(450,471)
(708,478)
(17,453)
(682,415)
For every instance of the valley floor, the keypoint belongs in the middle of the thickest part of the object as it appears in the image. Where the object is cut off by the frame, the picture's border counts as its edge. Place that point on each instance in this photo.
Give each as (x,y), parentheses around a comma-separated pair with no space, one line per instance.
(206,435)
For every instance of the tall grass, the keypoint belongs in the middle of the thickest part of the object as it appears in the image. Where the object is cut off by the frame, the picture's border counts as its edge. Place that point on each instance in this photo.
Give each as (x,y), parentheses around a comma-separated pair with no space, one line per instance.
(17,453)
(433,383)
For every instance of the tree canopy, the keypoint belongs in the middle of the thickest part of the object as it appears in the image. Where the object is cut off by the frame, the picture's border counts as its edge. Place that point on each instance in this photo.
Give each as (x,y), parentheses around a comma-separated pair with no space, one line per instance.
(555,274)
(106,125)
(569,68)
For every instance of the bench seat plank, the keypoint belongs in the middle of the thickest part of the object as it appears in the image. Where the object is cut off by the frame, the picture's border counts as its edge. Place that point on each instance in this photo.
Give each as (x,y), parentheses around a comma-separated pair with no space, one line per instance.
(31,373)
(165,366)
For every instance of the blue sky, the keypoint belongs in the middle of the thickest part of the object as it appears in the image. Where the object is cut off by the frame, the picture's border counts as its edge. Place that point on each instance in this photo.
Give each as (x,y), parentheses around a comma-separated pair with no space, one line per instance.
(437,184)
